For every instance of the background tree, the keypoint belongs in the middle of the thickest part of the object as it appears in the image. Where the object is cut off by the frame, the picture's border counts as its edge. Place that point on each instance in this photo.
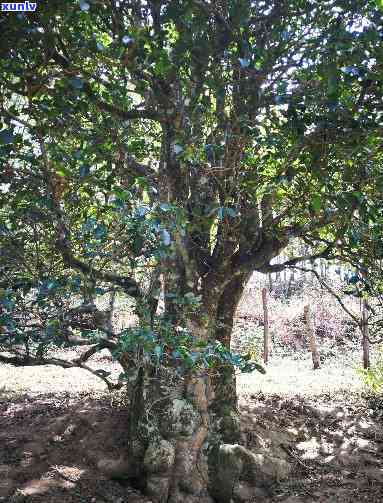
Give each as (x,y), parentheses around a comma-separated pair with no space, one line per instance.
(192,139)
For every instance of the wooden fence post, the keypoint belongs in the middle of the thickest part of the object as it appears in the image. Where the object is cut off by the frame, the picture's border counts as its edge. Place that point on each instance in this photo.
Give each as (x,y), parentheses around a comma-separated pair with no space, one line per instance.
(365,341)
(265,327)
(312,339)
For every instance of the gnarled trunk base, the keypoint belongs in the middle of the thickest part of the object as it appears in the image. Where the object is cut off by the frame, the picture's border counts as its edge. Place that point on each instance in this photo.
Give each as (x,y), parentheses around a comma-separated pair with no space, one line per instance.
(183,442)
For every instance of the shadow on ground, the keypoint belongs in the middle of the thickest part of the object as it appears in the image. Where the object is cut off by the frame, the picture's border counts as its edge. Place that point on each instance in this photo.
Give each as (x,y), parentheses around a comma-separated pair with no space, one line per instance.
(51,444)
(50,447)
(335,442)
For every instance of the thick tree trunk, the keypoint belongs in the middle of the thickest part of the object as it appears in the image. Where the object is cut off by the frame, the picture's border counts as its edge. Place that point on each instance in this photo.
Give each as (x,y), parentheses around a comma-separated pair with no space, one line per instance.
(265,327)
(312,339)
(183,447)
(365,341)
(184,428)
(176,428)
(227,306)
(184,434)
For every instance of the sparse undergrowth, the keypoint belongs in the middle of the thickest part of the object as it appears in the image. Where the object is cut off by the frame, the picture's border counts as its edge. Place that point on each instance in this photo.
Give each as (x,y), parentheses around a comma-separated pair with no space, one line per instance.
(52,444)
(328,430)
(58,426)
(373,376)
(333,326)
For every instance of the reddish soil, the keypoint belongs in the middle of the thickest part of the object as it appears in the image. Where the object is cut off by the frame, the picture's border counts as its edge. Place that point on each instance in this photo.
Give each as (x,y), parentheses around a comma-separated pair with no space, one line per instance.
(51,444)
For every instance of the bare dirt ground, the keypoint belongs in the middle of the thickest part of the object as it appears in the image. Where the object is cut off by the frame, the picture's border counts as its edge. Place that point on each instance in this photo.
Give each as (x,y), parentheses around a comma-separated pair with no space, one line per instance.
(56,425)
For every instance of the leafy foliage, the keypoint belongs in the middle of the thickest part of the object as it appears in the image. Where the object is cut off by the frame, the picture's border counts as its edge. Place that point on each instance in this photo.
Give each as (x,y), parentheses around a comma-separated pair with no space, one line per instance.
(173,148)
(373,376)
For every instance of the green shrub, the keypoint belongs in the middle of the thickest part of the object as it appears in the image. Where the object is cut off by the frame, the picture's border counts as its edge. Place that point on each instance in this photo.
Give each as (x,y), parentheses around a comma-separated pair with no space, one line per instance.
(373,377)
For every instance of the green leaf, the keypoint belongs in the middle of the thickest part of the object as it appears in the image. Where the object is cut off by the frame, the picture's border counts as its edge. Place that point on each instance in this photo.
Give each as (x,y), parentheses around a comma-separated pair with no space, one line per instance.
(7,137)
(158,351)
(166,239)
(223,211)
(126,40)
(244,62)
(231,212)
(84,171)
(316,203)
(142,211)
(84,6)
(100,232)
(165,207)
(76,83)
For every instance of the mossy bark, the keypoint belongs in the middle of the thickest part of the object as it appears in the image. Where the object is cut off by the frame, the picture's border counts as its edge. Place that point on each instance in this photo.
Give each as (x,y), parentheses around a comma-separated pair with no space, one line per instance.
(184,431)
(185,443)
(168,448)
(184,436)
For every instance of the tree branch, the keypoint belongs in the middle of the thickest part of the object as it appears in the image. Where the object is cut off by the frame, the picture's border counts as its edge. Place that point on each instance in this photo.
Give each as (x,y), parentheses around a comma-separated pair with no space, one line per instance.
(128,284)
(17,119)
(103,344)
(137,113)
(101,104)
(331,291)
(126,114)
(140,169)
(21,360)
(209,10)
(291,263)
(315,223)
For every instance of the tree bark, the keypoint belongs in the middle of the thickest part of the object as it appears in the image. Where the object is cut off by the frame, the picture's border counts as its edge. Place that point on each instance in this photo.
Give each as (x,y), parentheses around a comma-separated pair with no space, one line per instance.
(177,426)
(227,306)
(365,341)
(265,327)
(312,338)
(184,428)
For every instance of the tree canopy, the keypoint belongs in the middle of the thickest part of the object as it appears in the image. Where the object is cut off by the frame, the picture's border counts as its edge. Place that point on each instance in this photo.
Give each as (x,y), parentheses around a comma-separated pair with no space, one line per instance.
(176,147)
